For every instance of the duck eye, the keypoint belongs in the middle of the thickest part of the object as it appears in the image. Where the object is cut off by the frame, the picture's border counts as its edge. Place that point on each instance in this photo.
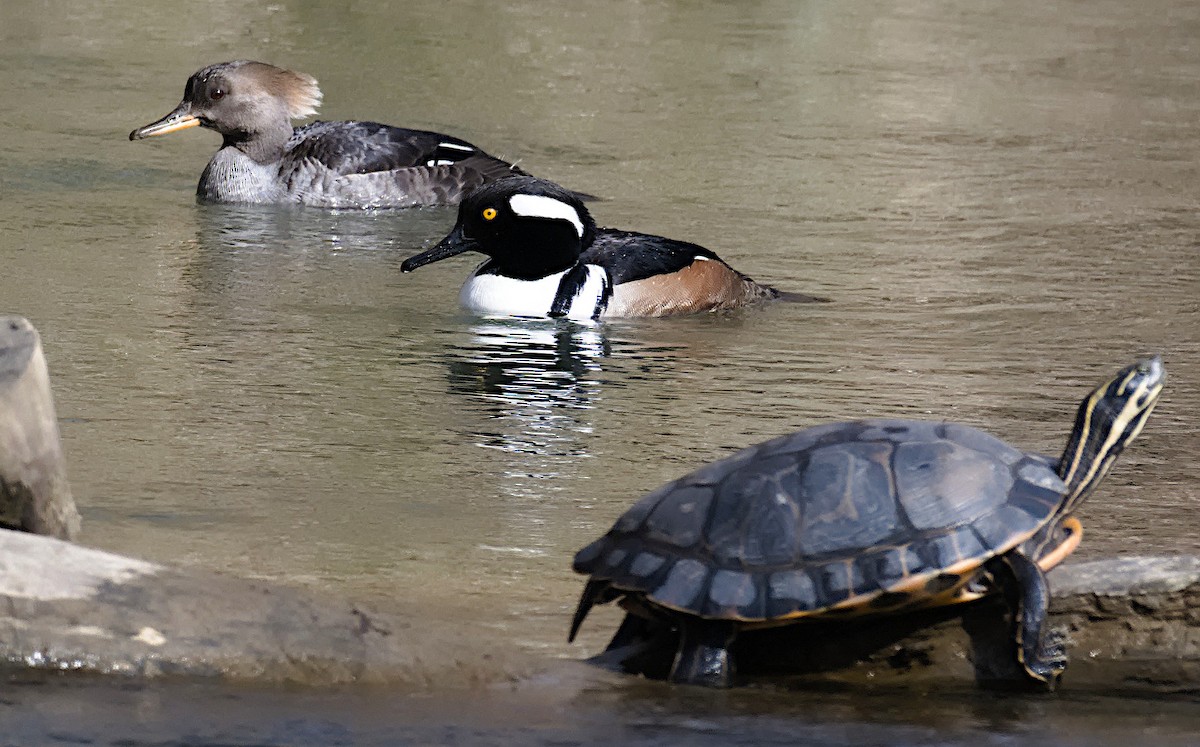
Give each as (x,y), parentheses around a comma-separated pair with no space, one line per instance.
(489,213)
(216,94)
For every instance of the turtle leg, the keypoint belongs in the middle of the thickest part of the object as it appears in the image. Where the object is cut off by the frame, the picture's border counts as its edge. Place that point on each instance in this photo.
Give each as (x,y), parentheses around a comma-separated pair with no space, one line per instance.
(634,630)
(703,656)
(640,646)
(1040,653)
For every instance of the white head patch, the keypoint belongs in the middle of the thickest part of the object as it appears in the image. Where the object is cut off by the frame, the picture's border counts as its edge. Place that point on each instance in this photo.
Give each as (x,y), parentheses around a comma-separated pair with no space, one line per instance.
(540,206)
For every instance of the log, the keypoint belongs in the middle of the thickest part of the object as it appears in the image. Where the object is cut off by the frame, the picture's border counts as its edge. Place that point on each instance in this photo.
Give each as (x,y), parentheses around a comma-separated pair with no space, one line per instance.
(34,493)
(67,607)
(1134,625)
(1131,623)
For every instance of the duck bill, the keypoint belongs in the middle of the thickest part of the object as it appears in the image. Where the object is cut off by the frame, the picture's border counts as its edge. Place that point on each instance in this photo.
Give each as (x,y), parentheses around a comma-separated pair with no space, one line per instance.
(454,244)
(180,119)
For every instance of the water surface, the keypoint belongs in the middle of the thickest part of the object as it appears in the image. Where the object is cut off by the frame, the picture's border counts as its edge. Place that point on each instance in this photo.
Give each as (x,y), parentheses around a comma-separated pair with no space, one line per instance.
(999,200)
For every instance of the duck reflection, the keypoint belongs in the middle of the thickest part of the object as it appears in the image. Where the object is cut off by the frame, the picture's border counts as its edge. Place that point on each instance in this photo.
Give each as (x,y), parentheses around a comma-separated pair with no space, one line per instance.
(535,381)
(238,227)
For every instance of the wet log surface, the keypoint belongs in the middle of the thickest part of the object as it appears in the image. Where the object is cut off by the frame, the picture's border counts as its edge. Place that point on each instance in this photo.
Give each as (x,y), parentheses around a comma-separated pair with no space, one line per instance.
(67,607)
(1131,623)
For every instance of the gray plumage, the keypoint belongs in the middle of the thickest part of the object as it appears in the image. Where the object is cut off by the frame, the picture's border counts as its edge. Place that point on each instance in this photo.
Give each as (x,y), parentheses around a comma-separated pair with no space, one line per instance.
(264,160)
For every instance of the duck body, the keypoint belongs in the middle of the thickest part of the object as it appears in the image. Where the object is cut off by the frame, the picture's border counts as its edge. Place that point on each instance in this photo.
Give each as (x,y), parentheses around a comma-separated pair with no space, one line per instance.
(264,160)
(657,276)
(547,258)
(584,290)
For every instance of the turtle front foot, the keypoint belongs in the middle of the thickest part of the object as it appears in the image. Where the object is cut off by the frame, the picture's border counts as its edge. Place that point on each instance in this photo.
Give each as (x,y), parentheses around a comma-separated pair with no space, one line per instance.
(703,657)
(707,666)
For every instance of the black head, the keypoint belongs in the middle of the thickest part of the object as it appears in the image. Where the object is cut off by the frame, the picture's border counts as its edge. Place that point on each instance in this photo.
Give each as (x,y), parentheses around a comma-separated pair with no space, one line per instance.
(241,100)
(529,227)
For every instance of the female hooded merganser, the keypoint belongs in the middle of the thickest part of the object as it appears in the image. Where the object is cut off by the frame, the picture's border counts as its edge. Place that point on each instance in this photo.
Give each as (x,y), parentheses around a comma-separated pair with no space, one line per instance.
(546,257)
(263,160)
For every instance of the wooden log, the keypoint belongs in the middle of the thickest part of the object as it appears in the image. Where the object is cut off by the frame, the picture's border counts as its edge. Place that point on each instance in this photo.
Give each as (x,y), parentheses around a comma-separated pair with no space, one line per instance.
(68,607)
(34,493)
(1131,623)
(1133,626)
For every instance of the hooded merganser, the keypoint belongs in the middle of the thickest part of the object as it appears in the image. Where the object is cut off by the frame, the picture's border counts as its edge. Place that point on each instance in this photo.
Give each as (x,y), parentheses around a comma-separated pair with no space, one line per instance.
(546,257)
(264,160)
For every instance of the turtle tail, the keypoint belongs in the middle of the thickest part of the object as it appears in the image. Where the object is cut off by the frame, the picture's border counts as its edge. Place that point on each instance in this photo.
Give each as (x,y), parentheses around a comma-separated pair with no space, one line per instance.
(593,591)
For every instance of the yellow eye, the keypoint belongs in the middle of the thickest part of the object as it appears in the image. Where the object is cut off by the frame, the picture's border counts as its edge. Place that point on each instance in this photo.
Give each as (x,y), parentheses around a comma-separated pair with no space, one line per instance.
(489,213)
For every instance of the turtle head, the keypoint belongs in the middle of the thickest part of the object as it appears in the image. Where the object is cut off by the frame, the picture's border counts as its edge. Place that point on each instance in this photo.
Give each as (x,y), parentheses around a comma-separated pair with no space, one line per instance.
(1109,418)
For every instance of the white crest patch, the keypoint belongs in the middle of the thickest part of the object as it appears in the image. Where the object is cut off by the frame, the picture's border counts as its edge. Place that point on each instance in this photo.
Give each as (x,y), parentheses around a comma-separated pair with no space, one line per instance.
(540,206)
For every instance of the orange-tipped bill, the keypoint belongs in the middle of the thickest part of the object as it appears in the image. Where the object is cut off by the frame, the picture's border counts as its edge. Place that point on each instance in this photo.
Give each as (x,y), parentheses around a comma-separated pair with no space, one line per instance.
(180,119)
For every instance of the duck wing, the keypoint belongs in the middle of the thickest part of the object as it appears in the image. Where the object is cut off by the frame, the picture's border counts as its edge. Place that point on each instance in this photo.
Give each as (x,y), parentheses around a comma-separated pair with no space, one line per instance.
(630,256)
(367,164)
(366,147)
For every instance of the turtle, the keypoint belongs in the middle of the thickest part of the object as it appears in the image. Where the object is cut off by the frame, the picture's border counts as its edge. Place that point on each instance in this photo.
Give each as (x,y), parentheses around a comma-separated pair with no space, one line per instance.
(855,518)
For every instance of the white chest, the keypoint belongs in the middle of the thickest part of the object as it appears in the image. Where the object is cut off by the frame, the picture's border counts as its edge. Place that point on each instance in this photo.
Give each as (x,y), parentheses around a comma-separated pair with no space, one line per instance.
(495,295)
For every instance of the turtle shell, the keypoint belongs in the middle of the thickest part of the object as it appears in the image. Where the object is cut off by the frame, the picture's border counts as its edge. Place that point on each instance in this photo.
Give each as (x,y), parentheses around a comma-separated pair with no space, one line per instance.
(868,515)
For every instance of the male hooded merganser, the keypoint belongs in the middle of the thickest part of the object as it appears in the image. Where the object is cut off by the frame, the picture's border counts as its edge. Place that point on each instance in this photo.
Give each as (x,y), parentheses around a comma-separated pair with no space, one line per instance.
(264,160)
(546,257)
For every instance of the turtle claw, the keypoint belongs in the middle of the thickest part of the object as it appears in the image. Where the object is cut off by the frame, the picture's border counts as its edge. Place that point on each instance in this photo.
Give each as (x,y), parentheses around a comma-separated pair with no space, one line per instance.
(1054,644)
(1054,649)
(1051,660)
